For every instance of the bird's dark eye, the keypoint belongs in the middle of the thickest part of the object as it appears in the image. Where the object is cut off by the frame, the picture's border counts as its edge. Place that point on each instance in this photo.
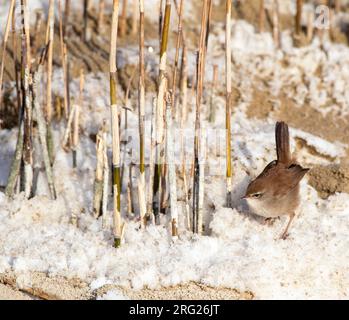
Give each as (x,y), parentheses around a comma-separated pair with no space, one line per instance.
(257,195)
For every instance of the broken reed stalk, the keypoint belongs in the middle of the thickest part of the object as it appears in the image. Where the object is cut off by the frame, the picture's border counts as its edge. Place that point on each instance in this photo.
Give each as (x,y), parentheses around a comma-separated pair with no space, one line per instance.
(337,6)
(66,16)
(228,102)
(212,116)
(26,32)
(298,18)
(200,67)
(151,163)
(4,45)
(75,140)
(27,139)
(49,43)
(141,116)
(184,84)
(66,143)
(175,67)
(16,162)
(162,83)
(202,161)
(126,110)
(105,177)
(27,105)
(183,119)
(134,27)
(276,27)
(170,159)
(99,174)
(123,18)
(100,21)
(115,127)
(42,133)
(209,14)
(261,16)
(16,63)
(63,49)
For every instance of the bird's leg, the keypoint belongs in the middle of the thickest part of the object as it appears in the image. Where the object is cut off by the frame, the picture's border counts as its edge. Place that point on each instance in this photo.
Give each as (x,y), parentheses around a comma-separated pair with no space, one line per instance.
(285,234)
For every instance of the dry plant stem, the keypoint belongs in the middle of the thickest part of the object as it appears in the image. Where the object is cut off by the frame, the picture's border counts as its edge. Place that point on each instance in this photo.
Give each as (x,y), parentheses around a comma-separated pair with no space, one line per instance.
(105,179)
(123,18)
(171,167)
(66,16)
(141,116)
(310,26)
(27,106)
(16,64)
(63,48)
(42,134)
(175,67)
(25,20)
(49,42)
(209,13)
(4,45)
(200,67)
(130,200)
(127,93)
(337,6)
(228,101)
(100,21)
(298,17)
(212,116)
(202,156)
(16,162)
(151,163)
(276,28)
(134,18)
(261,16)
(67,134)
(115,127)
(99,175)
(76,119)
(87,31)
(27,140)
(183,119)
(184,84)
(157,187)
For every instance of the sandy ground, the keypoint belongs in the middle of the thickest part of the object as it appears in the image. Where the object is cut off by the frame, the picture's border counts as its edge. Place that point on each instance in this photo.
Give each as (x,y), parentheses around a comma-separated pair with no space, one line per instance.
(37,285)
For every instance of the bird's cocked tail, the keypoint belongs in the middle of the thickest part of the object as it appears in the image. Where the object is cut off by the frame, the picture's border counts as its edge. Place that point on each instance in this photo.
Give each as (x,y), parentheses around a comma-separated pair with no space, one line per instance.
(282,140)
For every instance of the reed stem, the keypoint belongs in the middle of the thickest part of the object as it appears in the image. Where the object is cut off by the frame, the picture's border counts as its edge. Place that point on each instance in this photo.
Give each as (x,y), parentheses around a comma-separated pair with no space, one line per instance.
(4,45)
(141,116)
(228,101)
(115,126)
(200,67)
(171,167)
(158,171)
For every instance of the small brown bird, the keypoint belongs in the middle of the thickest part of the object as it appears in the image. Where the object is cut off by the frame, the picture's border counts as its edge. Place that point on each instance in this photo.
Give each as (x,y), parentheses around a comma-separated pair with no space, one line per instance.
(275,191)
